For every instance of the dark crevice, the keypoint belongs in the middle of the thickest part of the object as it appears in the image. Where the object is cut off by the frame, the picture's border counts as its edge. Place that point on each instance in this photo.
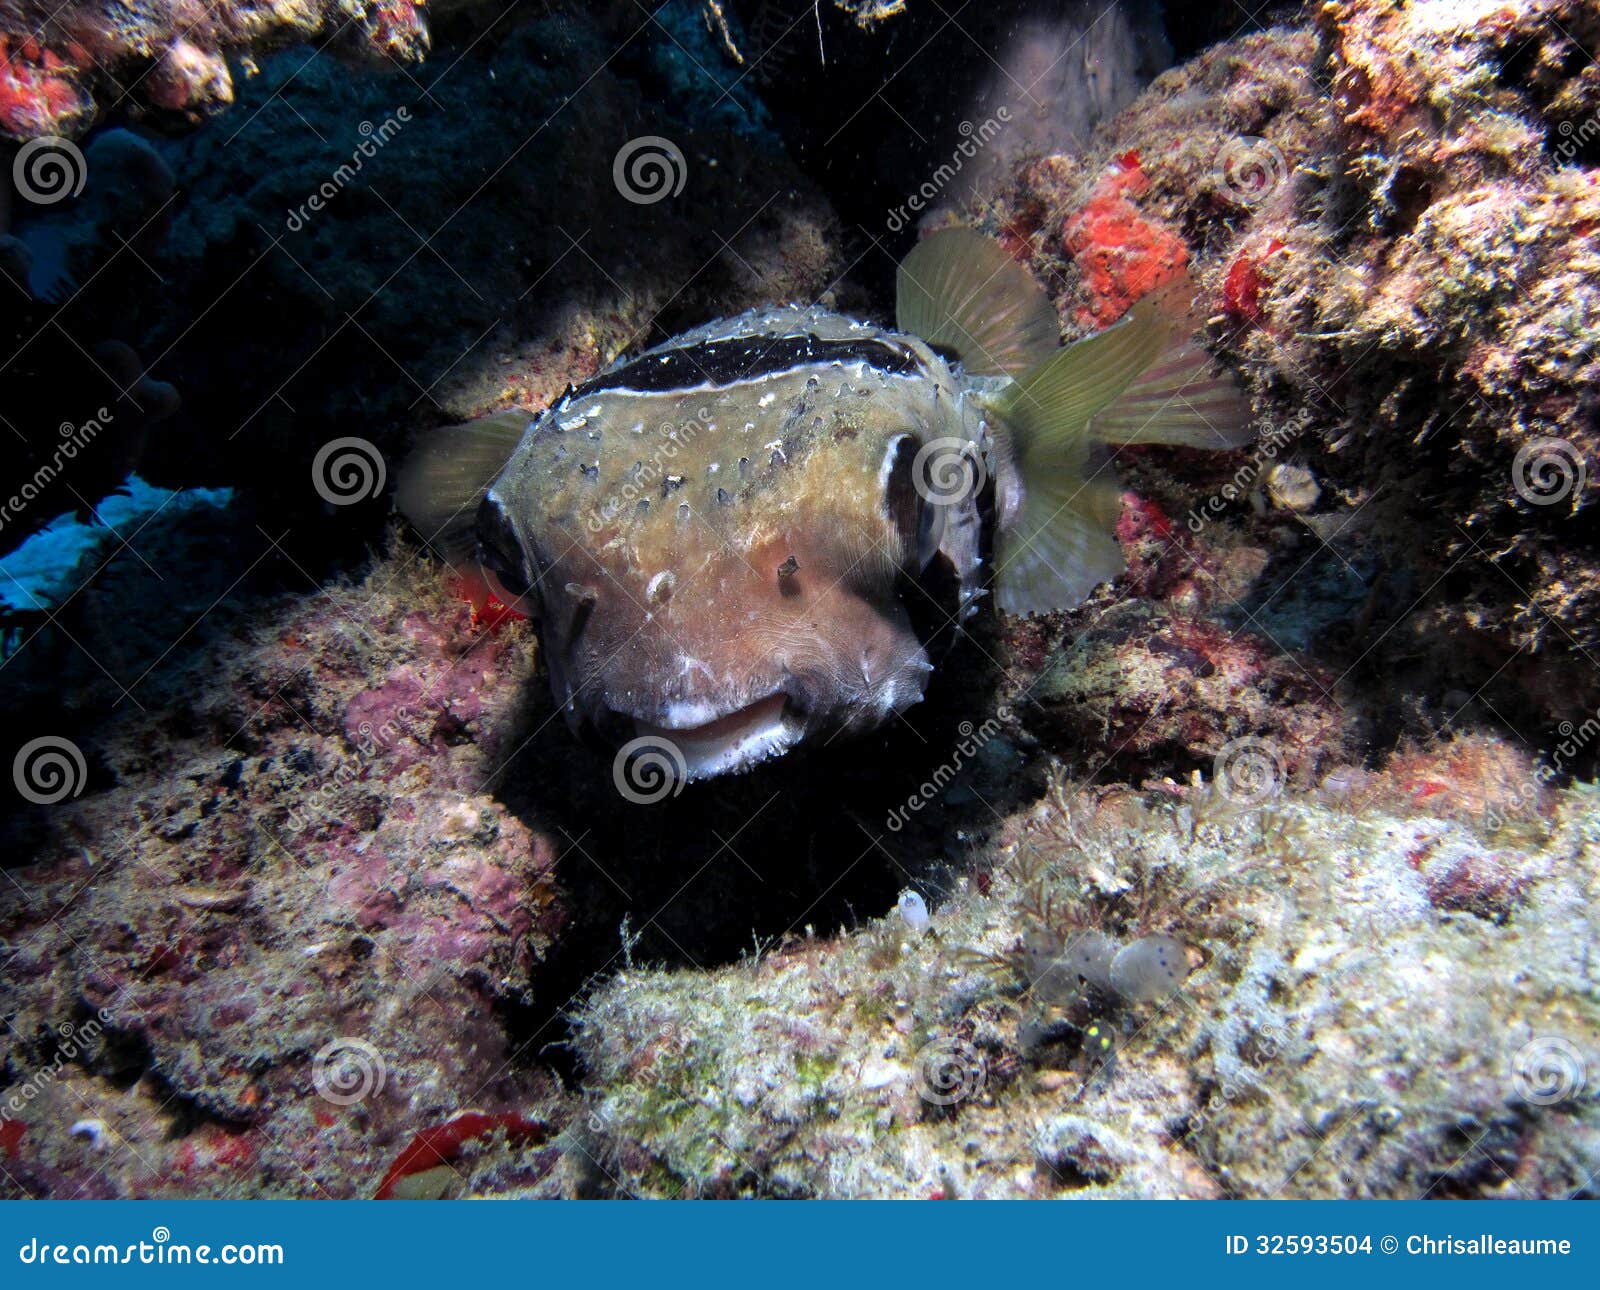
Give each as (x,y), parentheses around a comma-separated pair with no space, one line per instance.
(801,846)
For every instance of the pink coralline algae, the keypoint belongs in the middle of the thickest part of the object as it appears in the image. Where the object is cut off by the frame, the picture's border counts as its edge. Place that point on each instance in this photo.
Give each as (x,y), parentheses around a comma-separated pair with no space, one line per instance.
(41,90)
(301,943)
(62,66)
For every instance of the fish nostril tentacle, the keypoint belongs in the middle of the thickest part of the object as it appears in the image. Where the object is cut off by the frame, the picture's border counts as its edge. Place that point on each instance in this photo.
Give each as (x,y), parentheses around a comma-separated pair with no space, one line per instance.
(585,598)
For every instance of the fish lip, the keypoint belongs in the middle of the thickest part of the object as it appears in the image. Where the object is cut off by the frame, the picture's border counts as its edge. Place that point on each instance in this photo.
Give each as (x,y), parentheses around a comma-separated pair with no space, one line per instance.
(733,741)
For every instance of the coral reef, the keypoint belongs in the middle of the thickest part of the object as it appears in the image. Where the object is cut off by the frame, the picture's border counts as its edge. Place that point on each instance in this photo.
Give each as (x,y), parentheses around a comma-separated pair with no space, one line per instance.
(284,933)
(1146,689)
(63,65)
(1383,1001)
(1269,871)
(1391,218)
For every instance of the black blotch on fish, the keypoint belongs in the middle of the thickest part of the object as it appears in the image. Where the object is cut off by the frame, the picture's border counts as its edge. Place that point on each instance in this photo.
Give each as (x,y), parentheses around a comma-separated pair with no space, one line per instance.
(726,362)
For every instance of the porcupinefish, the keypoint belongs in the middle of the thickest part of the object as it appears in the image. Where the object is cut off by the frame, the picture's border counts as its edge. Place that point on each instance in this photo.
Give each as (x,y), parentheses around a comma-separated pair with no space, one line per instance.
(751,535)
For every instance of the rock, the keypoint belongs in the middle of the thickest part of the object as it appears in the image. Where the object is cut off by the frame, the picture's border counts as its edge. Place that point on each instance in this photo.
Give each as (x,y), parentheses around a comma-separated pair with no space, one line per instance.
(1348,1034)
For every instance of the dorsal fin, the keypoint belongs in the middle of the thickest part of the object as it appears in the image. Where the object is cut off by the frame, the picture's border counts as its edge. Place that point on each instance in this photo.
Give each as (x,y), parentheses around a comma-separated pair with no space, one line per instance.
(447,475)
(961,290)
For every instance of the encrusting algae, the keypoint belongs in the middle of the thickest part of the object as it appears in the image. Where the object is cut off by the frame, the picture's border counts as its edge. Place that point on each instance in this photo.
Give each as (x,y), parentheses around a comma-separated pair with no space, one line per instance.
(1316,1047)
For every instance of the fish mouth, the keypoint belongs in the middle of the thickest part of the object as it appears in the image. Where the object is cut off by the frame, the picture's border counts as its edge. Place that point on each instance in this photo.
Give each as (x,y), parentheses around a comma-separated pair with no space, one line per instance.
(733,742)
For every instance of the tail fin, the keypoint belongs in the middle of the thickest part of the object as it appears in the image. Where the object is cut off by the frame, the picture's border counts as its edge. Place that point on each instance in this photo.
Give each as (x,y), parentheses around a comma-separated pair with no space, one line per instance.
(447,475)
(1140,381)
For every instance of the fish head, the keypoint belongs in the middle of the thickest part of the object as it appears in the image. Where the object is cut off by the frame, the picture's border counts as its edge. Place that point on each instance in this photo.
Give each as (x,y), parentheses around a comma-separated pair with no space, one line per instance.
(728,588)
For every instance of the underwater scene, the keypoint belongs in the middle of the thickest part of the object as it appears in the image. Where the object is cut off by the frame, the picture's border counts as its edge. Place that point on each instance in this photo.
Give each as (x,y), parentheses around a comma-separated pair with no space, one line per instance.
(799,599)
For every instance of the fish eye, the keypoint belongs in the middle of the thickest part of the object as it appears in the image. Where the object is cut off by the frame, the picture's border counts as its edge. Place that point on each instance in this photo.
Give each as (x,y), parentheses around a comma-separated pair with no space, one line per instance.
(918,519)
(499,548)
(901,502)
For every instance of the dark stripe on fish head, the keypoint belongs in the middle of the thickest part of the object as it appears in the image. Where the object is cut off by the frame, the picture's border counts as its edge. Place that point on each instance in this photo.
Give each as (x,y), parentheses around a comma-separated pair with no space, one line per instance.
(717,363)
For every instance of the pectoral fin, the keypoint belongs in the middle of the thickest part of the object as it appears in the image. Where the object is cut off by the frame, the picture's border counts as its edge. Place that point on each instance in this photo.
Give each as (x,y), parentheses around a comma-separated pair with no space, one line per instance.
(446,476)
(1141,381)
(959,289)
(1178,399)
